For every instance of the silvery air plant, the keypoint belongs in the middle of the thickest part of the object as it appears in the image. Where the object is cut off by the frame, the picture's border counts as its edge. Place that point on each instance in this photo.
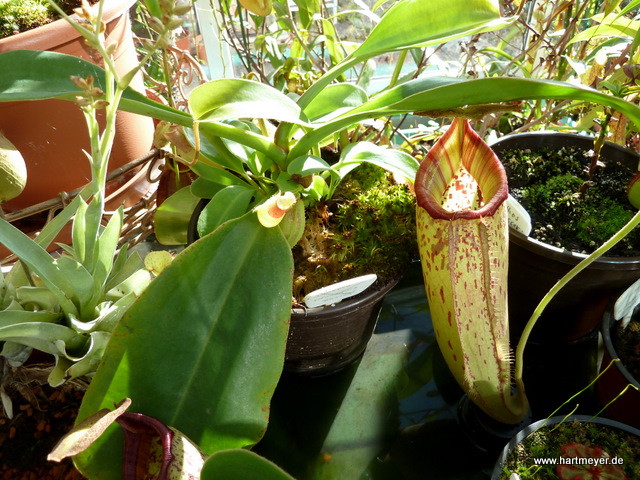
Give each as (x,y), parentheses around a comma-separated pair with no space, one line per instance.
(67,305)
(202,348)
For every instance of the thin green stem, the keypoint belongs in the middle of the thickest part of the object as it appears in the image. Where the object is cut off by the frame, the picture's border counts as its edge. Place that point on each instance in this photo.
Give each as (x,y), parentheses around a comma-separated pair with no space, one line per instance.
(398,68)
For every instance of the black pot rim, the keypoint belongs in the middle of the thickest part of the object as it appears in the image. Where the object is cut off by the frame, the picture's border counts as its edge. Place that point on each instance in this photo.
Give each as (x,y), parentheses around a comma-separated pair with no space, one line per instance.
(378,290)
(560,254)
(525,432)
(608,322)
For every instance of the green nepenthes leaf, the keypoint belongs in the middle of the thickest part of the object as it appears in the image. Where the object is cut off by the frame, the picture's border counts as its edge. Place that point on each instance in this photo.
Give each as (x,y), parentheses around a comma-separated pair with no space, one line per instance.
(229,203)
(171,221)
(415,23)
(34,75)
(445,96)
(228,99)
(202,349)
(462,232)
(335,98)
(239,464)
(395,161)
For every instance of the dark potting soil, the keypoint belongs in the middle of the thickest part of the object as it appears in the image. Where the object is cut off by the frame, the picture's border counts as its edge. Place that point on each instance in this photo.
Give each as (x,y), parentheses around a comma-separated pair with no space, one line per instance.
(566,213)
(41,416)
(548,442)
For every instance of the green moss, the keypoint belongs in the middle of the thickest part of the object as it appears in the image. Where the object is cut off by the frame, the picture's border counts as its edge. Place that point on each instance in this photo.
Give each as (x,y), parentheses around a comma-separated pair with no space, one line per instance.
(546,443)
(566,211)
(368,227)
(18,16)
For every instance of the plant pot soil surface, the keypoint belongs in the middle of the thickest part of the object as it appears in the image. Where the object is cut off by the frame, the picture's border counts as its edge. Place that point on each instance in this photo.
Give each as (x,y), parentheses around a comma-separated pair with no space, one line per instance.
(569,210)
(41,416)
(547,441)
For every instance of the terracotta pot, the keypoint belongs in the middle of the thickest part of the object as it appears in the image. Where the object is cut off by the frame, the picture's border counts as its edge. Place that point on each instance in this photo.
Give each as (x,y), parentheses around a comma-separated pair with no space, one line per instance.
(520,436)
(615,379)
(51,134)
(534,267)
(326,339)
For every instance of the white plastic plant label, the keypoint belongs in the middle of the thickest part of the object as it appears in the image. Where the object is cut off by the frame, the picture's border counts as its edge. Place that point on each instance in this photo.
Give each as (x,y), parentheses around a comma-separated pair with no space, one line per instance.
(626,304)
(339,291)
(519,218)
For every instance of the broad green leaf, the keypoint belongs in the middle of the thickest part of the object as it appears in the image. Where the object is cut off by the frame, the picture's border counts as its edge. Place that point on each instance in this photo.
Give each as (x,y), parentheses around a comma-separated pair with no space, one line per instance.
(463,240)
(210,151)
(35,75)
(239,464)
(216,174)
(604,31)
(203,188)
(335,97)
(395,161)
(306,165)
(446,96)
(203,347)
(234,98)
(171,220)
(416,23)
(229,203)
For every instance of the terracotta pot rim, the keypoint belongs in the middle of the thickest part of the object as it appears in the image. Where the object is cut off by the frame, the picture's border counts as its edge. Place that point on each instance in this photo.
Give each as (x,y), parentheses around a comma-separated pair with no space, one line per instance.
(556,253)
(525,432)
(607,324)
(58,29)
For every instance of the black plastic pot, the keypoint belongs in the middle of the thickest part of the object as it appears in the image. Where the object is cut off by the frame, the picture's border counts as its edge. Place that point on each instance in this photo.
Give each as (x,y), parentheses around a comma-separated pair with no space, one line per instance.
(534,267)
(520,436)
(560,358)
(324,340)
(625,408)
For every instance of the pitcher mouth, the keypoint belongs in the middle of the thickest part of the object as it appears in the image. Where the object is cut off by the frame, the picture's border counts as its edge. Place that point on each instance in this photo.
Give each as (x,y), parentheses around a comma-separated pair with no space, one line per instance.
(490,176)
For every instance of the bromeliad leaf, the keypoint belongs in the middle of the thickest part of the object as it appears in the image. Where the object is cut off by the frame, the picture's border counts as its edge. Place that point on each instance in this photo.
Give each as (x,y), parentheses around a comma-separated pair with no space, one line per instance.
(463,239)
(40,262)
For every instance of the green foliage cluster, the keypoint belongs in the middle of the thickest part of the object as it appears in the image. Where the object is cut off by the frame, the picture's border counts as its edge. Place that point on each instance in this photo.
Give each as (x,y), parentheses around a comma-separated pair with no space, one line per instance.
(18,16)
(546,443)
(368,227)
(565,211)
(21,15)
